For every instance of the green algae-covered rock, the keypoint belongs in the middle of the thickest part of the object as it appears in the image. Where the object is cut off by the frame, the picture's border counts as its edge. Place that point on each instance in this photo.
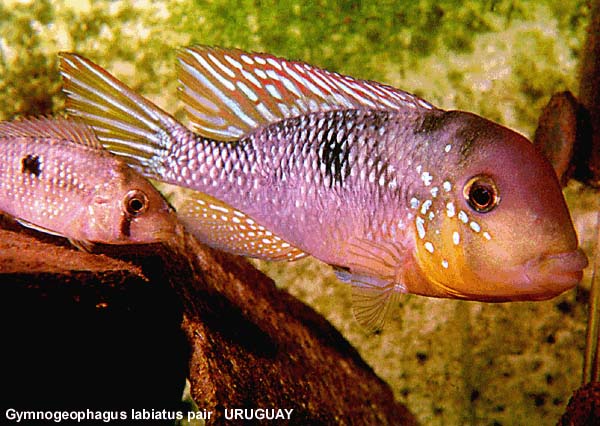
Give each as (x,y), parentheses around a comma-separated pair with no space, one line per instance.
(451,362)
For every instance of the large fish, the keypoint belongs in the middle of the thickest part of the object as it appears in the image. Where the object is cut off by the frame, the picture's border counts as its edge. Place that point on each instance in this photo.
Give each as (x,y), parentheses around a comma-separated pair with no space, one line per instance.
(56,177)
(398,195)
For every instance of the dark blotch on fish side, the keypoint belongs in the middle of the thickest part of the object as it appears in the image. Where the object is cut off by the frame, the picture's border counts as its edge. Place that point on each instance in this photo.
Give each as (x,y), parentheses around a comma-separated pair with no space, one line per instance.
(468,127)
(31,164)
(126,225)
(431,122)
(335,157)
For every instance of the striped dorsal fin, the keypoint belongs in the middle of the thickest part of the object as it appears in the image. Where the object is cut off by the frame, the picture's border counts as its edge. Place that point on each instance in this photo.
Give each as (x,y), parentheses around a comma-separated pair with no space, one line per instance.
(229,93)
(59,128)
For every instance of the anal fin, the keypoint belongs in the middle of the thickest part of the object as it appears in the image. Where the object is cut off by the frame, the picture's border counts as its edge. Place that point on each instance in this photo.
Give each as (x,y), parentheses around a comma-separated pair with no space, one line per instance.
(217,224)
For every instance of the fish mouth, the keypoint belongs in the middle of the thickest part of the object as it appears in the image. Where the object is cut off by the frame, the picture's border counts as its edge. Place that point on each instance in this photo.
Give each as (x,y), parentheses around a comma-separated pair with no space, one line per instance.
(555,273)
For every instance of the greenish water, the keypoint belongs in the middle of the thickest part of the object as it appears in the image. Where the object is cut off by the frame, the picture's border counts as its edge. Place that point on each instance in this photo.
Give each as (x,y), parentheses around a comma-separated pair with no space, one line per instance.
(450,362)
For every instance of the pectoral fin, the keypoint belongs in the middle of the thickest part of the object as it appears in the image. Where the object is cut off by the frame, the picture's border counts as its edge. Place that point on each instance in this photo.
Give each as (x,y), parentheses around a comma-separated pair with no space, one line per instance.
(374,269)
(372,299)
(82,245)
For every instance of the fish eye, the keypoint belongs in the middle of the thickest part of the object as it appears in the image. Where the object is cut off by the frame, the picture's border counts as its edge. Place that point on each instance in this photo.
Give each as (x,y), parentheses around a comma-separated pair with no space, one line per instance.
(481,193)
(135,203)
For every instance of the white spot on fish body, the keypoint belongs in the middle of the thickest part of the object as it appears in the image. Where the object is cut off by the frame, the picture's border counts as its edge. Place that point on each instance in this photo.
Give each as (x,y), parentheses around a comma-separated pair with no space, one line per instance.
(429,247)
(475,226)
(426,178)
(419,168)
(463,216)
(420,227)
(393,184)
(456,238)
(372,176)
(363,173)
(447,148)
(487,235)
(425,206)
(434,191)
(431,215)
(445,263)
(447,186)
(450,211)
(414,203)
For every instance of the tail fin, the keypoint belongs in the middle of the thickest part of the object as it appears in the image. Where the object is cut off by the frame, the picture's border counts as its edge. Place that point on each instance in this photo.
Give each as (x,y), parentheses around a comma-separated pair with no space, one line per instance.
(126,123)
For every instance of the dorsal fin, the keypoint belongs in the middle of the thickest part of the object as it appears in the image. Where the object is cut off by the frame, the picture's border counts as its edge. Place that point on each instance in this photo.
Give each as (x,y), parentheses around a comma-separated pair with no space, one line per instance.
(229,92)
(60,128)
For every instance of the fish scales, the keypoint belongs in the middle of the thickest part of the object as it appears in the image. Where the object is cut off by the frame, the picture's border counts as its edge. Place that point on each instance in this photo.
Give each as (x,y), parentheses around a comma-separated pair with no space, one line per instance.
(55,177)
(396,194)
(320,173)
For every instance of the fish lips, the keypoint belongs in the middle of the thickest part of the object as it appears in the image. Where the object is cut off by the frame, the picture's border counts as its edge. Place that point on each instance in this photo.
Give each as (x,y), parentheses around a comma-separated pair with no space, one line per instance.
(555,273)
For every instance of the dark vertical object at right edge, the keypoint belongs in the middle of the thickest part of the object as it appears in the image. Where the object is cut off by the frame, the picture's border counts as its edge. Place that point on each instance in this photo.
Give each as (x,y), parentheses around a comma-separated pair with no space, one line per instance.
(589,90)
(569,128)
(581,160)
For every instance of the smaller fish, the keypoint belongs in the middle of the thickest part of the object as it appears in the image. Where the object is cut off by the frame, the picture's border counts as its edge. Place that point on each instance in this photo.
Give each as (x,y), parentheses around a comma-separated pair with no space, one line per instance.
(55,177)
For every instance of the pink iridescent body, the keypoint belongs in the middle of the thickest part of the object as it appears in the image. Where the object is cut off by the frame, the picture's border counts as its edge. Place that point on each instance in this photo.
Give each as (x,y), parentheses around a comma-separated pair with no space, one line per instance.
(397,195)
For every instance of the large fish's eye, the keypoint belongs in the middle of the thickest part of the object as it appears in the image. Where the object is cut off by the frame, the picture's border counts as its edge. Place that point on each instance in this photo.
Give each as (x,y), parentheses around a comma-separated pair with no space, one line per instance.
(135,202)
(481,193)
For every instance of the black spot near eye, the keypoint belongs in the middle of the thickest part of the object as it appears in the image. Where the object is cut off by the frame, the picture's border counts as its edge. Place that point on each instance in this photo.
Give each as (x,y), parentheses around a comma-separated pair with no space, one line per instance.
(31,164)
(481,193)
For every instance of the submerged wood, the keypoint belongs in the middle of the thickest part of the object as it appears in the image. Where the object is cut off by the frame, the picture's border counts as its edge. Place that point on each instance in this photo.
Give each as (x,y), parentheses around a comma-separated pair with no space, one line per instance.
(249,344)
(589,89)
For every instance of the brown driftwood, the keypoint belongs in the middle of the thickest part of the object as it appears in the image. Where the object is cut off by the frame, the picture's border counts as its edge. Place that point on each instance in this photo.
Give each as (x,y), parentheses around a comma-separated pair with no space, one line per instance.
(584,407)
(589,89)
(569,129)
(85,331)
(110,330)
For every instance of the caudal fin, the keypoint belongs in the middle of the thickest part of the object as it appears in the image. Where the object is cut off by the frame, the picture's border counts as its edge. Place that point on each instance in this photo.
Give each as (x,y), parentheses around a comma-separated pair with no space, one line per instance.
(126,123)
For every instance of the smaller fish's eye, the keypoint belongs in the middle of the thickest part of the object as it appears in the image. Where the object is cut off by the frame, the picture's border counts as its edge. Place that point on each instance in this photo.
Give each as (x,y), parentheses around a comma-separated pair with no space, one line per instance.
(481,193)
(135,203)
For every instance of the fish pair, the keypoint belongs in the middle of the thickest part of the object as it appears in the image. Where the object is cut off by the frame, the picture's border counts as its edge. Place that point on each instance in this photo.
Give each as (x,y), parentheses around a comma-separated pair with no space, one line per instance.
(287,160)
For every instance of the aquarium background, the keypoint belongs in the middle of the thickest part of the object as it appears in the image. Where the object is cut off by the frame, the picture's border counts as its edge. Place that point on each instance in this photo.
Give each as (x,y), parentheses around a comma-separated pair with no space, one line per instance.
(450,362)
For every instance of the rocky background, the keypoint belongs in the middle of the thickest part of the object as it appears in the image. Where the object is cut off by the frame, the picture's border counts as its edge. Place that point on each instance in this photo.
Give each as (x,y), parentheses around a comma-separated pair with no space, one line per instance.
(449,362)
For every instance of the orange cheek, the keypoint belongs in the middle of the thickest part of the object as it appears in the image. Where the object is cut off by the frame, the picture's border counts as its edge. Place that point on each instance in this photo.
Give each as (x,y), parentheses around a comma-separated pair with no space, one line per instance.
(443,254)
